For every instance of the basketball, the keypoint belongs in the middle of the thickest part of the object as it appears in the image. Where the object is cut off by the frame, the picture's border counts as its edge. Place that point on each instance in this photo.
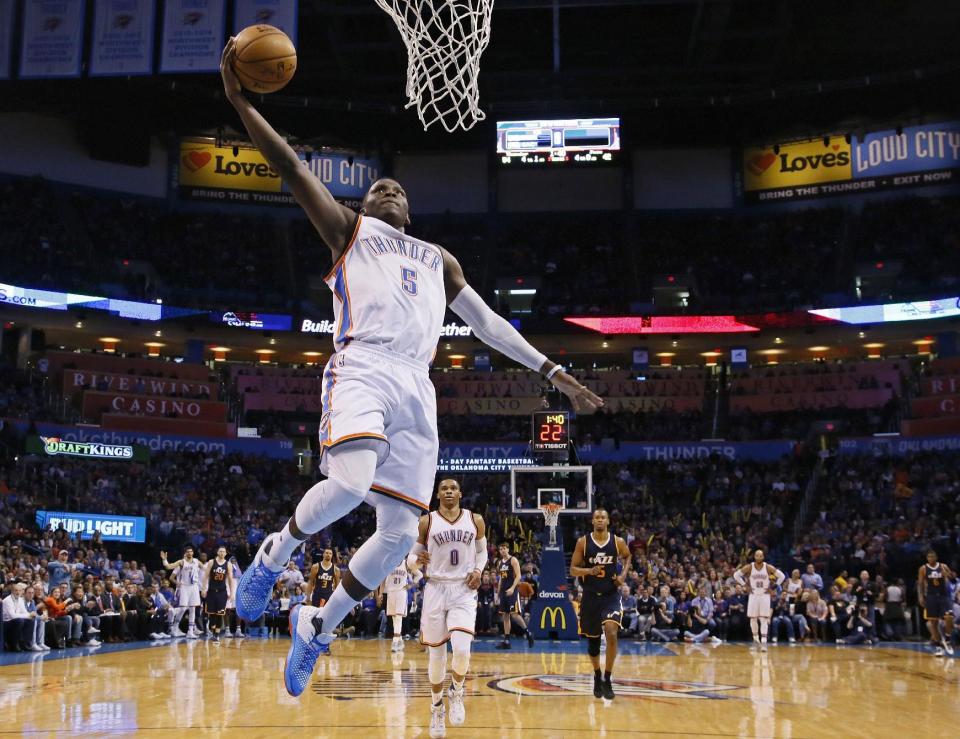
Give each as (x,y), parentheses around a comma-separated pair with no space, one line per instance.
(266,58)
(525,589)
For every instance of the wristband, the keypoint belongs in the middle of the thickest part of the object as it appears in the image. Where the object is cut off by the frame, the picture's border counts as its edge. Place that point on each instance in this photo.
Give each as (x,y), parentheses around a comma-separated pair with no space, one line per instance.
(553,370)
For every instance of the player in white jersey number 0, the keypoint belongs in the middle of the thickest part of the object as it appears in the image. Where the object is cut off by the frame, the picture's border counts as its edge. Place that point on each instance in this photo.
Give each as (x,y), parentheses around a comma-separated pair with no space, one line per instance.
(760,575)
(379,427)
(452,544)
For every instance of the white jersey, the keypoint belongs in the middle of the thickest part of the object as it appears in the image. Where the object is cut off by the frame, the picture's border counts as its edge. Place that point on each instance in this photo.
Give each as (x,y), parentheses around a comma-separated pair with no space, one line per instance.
(396,580)
(759,579)
(451,545)
(188,573)
(388,291)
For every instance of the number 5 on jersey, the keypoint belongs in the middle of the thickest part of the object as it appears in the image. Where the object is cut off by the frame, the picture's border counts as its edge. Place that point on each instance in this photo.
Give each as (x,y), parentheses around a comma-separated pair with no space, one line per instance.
(408,280)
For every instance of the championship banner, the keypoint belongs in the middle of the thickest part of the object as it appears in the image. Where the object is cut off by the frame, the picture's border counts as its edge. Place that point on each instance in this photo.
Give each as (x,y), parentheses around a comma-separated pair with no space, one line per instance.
(52,446)
(6,37)
(280,14)
(111,528)
(193,35)
(52,38)
(810,400)
(122,42)
(96,403)
(213,173)
(78,380)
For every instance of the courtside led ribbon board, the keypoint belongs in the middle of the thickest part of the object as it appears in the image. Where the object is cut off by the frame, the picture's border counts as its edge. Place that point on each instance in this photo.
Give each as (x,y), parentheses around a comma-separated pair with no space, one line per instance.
(52,38)
(122,43)
(280,14)
(214,173)
(6,37)
(111,528)
(193,35)
(52,446)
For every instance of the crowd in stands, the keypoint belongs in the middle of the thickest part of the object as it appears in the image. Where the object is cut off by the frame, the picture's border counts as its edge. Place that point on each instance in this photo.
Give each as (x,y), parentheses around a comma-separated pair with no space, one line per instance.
(727,261)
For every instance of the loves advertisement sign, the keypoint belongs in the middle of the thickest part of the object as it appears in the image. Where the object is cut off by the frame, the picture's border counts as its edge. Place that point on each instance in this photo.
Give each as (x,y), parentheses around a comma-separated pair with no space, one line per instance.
(798,163)
(910,157)
(226,174)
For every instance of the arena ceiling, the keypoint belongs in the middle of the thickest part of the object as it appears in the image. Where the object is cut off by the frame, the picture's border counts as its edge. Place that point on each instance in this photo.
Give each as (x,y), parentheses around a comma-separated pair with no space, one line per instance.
(678,71)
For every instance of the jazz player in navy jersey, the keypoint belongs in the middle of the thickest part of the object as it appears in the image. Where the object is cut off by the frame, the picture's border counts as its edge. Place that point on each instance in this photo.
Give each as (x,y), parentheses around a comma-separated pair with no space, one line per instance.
(378,433)
(934,596)
(215,584)
(595,561)
(508,574)
(324,578)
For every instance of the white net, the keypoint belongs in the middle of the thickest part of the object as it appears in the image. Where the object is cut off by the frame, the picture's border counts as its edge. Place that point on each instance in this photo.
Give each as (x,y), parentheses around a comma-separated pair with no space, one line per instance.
(444,40)
(551,517)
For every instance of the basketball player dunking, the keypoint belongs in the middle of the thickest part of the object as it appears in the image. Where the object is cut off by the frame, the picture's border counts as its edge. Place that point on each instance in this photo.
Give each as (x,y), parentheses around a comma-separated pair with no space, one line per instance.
(452,544)
(934,599)
(216,583)
(186,572)
(379,425)
(594,561)
(508,575)
(759,610)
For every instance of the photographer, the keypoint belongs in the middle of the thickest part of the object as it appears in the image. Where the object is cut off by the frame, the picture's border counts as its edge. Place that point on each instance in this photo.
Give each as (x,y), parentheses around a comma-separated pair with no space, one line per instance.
(859,627)
(841,613)
(664,628)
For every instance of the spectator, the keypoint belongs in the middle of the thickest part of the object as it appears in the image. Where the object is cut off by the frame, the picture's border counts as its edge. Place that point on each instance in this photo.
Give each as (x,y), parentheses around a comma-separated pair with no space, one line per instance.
(18,622)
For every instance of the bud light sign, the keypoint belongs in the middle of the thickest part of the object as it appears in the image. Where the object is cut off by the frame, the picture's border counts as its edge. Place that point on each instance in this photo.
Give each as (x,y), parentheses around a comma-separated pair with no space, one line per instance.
(110,528)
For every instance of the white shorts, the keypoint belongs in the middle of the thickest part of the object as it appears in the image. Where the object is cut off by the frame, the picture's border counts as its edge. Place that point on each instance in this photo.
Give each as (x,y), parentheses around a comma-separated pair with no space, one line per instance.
(758,606)
(397,603)
(189,596)
(446,607)
(385,402)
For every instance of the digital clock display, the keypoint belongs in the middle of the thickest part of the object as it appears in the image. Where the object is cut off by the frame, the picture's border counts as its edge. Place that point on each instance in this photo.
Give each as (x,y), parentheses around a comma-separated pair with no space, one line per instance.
(551,431)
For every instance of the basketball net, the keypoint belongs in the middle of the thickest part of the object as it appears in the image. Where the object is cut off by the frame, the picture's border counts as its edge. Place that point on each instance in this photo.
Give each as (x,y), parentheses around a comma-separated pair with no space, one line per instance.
(551,516)
(444,40)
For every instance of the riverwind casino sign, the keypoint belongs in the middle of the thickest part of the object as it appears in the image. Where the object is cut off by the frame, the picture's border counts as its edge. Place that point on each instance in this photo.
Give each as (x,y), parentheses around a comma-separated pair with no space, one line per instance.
(914,156)
(225,174)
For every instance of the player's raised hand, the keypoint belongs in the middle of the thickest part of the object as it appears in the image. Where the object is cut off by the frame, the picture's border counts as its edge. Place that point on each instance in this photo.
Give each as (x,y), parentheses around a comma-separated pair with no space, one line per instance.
(473,580)
(231,84)
(583,400)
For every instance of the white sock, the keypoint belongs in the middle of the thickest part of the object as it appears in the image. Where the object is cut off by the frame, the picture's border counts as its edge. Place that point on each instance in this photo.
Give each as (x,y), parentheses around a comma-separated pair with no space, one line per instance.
(457,685)
(437,697)
(397,626)
(337,608)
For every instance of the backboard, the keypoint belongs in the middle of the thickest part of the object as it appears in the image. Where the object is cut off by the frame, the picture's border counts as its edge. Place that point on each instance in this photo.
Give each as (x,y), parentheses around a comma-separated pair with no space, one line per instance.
(570,487)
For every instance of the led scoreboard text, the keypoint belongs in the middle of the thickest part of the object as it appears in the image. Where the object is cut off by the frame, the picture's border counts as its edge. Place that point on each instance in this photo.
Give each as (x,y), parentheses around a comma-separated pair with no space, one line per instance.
(551,431)
(576,140)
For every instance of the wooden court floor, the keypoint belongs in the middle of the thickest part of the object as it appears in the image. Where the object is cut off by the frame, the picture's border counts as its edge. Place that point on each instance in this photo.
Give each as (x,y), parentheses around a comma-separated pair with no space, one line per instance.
(363,691)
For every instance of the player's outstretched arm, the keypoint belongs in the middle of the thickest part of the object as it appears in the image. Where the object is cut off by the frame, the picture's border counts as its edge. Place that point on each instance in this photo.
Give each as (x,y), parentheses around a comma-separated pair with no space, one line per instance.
(494,331)
(333,221)
(175,565)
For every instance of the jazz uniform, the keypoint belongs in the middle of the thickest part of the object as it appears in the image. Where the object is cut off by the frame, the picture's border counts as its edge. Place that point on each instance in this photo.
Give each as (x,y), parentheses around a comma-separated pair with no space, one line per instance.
(217,588)
(601,597)
(323,588)
(448,604)
(758,604)
(389,302)
(395,586)
(508,603)
(937,602)
(188,583)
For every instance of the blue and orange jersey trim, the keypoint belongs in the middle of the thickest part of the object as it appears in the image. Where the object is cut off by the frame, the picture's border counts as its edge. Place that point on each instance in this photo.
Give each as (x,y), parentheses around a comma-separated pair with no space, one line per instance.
(342,291)
(419,505)
(346,249)
(331,443)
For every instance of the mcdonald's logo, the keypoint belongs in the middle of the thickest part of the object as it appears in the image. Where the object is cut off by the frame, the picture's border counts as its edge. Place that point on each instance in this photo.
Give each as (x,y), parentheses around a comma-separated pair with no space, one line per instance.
(554,612)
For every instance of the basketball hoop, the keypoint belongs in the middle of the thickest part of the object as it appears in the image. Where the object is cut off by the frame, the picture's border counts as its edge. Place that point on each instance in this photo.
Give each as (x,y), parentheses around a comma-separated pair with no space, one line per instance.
(444,40)
(551,516)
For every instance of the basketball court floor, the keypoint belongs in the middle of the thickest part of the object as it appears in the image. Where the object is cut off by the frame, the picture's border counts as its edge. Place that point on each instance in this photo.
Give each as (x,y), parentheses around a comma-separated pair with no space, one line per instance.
(362,690)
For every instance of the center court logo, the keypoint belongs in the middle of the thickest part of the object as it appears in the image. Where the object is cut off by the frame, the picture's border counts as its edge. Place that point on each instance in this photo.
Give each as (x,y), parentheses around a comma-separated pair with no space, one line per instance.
(565,685)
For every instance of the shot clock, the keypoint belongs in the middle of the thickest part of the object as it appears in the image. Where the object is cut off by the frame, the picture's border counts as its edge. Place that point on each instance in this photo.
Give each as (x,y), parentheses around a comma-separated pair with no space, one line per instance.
(551,431)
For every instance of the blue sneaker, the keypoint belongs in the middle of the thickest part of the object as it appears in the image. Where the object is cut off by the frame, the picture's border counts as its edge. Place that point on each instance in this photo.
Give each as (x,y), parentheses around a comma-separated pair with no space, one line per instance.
(254,589)
(307,642)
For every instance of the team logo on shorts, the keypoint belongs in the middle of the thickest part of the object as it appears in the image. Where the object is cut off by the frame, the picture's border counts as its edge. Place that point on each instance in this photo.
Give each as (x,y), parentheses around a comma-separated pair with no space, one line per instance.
(564,685)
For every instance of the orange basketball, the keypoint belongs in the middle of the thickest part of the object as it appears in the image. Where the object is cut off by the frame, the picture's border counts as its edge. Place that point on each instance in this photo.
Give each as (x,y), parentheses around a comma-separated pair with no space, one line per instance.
(265,58)
(525,589)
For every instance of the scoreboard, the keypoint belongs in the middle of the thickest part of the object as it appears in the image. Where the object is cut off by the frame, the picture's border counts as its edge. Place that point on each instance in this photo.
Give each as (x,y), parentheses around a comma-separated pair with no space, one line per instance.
(551,431)
(564,141)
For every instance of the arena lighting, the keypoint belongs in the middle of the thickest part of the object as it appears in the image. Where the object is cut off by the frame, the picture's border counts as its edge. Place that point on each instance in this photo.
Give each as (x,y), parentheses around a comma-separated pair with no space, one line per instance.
(666,354)
(109,344)
(819,349)
(772,352)
(264,355)
(664,325)
(874,345)
(153,348)
(219,353)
